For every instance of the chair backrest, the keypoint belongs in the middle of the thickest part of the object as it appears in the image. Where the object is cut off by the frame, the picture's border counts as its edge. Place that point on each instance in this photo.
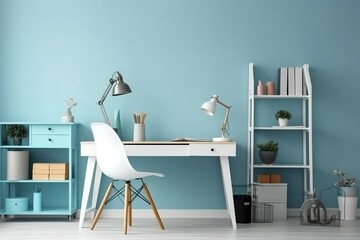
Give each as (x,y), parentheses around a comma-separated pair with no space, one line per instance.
(110,153)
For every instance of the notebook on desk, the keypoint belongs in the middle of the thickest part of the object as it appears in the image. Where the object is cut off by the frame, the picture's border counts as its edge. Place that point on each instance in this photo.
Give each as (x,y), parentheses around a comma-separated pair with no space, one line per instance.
(191,140)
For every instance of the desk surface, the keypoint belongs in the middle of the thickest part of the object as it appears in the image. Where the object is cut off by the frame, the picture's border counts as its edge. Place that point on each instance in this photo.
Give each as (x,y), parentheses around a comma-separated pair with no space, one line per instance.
(165,148)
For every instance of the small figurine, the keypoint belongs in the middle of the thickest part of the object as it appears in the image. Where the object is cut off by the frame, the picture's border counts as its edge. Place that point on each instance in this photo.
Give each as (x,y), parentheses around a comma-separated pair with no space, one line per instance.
(68,117)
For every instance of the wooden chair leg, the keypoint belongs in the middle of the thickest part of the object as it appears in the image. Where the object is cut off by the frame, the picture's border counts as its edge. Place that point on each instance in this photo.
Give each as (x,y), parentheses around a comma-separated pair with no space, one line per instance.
(127,200)
(152,204)
(102,205)
(130,210)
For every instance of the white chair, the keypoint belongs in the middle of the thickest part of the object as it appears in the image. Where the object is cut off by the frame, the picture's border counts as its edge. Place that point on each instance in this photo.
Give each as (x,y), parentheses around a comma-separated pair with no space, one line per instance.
(114,163)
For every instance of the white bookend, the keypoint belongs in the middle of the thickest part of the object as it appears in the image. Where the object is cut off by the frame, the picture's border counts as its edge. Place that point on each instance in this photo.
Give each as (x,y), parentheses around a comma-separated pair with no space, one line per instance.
(283,81)
(298,81)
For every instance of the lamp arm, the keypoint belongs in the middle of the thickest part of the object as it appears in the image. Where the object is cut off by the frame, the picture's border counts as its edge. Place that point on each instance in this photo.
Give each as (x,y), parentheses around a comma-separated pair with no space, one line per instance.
(225,124)
(102,99)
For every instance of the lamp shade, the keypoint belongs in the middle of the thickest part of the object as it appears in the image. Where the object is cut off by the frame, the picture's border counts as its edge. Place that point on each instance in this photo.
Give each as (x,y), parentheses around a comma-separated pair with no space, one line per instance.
(120,87)
(210,106)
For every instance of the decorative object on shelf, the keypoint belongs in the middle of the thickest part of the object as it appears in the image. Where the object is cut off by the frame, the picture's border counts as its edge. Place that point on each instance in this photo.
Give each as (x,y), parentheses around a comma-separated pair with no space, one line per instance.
(117,122)
(283,116)
(17,165)
(37,199)
(347,195)
(261,88)
(209,107)
(120,88)
(68,117)
(270,88)
(17,132)
(139,126)
(268,151)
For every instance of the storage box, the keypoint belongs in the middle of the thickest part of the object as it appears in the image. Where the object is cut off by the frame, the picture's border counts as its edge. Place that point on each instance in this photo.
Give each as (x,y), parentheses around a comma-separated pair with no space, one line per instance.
(59,176)
(40,176)
(16,205)
(263,178)
(269,178)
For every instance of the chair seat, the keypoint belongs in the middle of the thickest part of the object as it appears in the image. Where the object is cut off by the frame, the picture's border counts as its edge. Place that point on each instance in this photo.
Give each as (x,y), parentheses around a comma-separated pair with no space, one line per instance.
(138,174)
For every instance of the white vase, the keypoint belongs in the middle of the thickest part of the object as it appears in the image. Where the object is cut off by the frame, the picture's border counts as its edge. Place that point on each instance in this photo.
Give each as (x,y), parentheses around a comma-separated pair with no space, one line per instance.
(283,122)
(347,207)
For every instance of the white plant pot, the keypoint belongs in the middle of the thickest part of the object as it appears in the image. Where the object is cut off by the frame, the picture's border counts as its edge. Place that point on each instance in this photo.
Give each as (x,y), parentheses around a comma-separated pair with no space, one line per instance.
(283,122)
(347,207)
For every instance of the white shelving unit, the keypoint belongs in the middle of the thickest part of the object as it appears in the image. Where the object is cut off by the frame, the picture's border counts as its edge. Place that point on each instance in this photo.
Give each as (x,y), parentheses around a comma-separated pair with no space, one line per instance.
(305,129)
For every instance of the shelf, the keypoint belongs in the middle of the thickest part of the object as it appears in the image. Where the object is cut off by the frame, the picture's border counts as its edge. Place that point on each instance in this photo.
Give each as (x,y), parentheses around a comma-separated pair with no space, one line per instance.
(288,128)
(280,97)
(35,181)
(49,211)
(259,109)
(296,166)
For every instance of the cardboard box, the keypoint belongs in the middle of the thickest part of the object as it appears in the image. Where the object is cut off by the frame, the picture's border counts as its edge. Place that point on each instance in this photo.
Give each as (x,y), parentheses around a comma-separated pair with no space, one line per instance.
(59,166)
(43,166)
(269,178)
(40,177)
(275,178)
(59,176)
(263,178)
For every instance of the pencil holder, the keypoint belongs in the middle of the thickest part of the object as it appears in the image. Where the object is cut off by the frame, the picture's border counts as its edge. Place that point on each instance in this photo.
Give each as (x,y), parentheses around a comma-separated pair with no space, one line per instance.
(37,201)
(139,132)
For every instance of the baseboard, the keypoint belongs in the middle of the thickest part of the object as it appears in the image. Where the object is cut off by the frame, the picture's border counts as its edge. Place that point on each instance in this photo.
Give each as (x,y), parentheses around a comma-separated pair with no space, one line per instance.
(167,213)
(184,213)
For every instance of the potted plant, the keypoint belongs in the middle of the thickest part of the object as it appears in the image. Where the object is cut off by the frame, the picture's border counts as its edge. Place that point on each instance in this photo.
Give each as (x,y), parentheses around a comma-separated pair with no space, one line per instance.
(283,116)
(268,151)
(17,132)
(347,194)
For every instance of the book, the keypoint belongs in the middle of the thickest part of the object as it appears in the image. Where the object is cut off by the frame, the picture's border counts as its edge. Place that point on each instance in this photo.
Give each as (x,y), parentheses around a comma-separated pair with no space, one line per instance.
(298,81)
(283,80)
(291,81)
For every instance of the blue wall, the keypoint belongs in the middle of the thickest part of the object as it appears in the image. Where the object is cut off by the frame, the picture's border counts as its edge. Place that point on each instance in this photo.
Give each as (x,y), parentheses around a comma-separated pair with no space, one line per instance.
(175,55)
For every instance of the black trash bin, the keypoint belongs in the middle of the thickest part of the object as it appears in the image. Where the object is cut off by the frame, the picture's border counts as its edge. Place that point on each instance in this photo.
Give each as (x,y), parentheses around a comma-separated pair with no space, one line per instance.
(242,205)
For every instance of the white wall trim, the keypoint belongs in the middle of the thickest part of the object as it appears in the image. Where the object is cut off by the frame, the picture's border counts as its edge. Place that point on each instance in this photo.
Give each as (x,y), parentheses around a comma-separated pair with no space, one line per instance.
(166,213)
(184,213)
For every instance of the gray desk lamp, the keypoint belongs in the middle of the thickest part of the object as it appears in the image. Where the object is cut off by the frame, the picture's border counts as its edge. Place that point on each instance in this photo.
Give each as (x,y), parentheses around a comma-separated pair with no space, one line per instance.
(209,107)
(120,88)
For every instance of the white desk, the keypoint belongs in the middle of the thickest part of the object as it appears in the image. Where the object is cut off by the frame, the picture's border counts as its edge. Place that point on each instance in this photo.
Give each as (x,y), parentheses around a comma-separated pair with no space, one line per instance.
(223,150)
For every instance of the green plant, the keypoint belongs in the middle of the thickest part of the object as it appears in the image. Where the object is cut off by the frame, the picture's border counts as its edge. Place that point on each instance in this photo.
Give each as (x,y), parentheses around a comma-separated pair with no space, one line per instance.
(270,146)
(283,114)
(16,131)
(343,179)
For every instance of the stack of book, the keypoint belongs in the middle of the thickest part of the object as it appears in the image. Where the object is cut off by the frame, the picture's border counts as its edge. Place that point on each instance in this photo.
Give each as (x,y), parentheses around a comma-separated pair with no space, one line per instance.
(292,82)
(50,171)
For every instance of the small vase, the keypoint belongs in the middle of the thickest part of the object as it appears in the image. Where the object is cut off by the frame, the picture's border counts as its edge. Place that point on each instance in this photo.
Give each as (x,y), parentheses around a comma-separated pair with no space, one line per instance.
(267,157)
(270,88)
(283,122)
(67,118)
(37,201)
(261,88)
(17,141)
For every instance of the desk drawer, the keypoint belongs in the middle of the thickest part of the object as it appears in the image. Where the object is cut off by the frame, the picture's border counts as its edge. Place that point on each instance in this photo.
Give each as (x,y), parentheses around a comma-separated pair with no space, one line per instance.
(50,129)
(212,149)
(50,140)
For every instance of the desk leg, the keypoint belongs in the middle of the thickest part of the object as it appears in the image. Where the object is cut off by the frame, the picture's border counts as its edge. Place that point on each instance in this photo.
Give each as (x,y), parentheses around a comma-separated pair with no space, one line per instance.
(96,188)
(225,170)
(87,185)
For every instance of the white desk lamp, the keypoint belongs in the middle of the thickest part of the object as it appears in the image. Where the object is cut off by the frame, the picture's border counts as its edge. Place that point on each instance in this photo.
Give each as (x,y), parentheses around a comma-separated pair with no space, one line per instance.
(120,88)
(210,107)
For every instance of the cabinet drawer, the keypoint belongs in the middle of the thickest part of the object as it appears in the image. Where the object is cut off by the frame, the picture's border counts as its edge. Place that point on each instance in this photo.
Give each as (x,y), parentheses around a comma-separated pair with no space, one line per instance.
(212,149)
(271,192)
(50,129)
(50,140)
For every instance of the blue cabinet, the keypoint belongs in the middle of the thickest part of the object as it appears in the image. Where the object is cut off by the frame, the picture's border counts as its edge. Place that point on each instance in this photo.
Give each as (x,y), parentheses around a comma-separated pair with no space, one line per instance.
(48,144)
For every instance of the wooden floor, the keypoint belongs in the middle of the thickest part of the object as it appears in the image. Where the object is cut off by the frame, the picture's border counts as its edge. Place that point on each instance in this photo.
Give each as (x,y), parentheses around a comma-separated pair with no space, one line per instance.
(38,229)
